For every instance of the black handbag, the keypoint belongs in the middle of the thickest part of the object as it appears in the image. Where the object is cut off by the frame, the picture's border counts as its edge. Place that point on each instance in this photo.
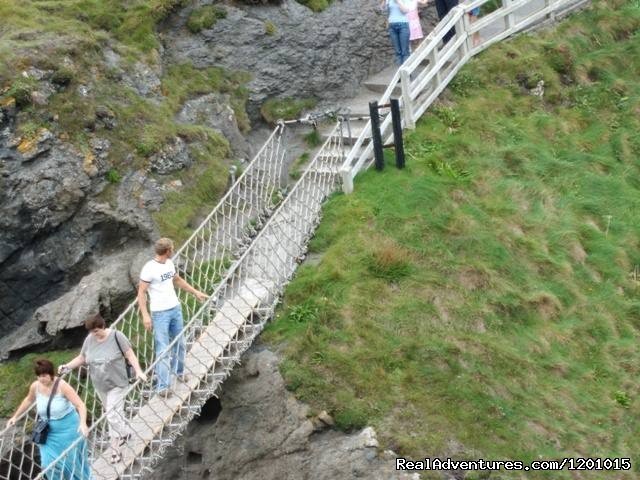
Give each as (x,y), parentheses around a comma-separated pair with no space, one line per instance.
(41,428)
(131,374)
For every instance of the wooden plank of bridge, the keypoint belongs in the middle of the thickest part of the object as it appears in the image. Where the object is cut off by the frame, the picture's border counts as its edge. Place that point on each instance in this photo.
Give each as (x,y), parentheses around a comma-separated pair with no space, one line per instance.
(200,359)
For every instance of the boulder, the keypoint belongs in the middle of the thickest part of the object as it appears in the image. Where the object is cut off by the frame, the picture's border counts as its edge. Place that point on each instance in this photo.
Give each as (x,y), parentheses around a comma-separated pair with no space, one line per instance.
(171,158)
(141,77)
(324,55)
(214,110)
(104,291)
(107,290)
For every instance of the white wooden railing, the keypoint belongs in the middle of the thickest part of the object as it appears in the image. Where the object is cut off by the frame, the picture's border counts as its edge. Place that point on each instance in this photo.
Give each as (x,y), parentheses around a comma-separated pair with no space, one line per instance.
(430,68)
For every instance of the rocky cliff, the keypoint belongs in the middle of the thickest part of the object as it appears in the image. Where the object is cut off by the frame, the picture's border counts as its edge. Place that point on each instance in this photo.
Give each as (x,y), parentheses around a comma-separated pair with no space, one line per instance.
(290,50)
(66,210)
(54,229)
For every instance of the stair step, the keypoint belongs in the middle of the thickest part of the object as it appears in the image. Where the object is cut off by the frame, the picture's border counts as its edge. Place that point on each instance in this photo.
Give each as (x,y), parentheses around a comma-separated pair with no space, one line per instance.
(379,88)
(380,81)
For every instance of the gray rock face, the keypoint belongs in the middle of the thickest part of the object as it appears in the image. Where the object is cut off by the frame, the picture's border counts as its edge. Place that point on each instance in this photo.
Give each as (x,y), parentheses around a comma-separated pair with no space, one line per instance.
(42,184)
(142,78)
(324,55)
(263,433)
(106,290)
(214,110)
(52,230)
(173,157)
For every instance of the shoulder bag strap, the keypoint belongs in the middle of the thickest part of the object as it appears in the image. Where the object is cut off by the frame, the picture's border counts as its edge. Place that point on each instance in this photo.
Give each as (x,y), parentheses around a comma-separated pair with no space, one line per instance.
(115,335)
(53,392)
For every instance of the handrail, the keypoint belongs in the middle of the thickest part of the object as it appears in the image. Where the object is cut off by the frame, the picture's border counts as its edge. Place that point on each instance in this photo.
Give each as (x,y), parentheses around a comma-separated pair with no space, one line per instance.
(444,62)
(269,261)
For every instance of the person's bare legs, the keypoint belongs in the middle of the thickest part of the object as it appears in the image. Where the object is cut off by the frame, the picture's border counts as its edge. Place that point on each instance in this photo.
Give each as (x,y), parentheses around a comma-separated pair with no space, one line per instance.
(475,38)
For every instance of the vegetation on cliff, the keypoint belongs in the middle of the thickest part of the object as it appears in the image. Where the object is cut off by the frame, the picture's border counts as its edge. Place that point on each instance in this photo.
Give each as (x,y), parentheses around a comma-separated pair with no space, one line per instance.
(76,68)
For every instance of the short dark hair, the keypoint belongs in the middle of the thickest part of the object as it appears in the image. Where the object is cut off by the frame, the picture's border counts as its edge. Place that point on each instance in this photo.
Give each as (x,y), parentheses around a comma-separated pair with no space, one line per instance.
(43,366)
(95,321)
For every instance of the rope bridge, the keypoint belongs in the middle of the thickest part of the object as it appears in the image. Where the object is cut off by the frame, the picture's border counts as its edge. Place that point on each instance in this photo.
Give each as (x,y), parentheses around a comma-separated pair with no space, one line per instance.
(242,255)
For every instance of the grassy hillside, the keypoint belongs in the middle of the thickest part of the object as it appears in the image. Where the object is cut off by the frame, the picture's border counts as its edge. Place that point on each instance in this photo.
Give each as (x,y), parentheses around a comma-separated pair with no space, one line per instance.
(485,301)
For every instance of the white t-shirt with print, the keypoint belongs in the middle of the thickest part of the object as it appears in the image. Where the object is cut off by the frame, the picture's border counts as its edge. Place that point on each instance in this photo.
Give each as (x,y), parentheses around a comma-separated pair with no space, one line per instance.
(159,276)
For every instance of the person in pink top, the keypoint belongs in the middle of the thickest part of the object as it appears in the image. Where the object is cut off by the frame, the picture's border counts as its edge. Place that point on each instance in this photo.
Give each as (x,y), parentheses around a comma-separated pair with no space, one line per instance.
(415,28)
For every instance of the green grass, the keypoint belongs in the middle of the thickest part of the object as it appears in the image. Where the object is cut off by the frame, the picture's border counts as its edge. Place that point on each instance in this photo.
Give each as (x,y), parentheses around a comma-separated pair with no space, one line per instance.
(80,23)
(205,17)
(183,210)
(485,295)
(315,5)
(270,28)
(297,168)
(18,375)
(276,109)
(313,138)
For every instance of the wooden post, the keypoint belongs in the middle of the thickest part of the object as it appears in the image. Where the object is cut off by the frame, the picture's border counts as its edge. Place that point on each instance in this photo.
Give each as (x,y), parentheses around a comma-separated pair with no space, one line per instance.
(466,25)
(397,132)
(552,14)
(347,180)
(433,59)
(462,31)
(407,103)
(376,136)
(508,19)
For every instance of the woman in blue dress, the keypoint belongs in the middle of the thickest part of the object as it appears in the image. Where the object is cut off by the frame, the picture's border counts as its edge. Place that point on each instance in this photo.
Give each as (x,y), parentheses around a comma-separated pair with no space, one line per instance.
(67,422)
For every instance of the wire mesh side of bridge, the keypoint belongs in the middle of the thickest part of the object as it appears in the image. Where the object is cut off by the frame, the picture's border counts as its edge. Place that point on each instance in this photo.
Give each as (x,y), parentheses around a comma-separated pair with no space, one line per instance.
(244,253)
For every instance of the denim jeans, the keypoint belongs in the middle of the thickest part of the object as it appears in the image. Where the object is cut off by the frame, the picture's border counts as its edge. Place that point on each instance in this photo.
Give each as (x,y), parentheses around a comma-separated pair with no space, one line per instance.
(167,325)
(399,34)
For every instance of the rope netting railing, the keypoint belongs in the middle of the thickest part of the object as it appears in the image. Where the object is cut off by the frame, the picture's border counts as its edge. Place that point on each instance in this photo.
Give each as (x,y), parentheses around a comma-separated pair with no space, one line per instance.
(203,260)
(215,334)
(430,68)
